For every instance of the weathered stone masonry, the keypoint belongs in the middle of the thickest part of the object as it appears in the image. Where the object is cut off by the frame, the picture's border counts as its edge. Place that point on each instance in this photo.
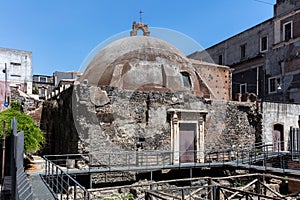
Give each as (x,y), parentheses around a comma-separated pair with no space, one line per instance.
(85,119)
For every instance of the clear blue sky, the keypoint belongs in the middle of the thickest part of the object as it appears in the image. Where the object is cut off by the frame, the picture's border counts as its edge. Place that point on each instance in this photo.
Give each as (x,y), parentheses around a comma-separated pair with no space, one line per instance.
(61,33)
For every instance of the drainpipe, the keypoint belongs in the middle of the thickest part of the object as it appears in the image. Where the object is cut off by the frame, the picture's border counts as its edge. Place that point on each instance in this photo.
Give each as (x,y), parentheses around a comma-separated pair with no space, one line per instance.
(282,65)
(6,103)
(3,151)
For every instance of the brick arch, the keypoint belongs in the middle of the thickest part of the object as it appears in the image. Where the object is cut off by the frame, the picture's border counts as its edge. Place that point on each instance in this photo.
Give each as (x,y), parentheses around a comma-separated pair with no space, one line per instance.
(139,26)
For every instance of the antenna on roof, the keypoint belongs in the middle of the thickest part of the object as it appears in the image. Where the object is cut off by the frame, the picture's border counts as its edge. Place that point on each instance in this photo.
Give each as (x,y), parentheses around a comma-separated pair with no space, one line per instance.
(141,12)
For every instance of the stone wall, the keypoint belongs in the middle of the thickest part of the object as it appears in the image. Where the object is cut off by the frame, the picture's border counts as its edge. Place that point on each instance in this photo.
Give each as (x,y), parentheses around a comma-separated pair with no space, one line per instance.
(58,124)
(27,102)
(278,113)
(86,119)
(232,125)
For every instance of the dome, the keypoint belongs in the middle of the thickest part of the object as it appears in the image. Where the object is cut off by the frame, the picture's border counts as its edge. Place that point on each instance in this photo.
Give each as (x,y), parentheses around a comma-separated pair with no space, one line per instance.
(138,62)
(144,63)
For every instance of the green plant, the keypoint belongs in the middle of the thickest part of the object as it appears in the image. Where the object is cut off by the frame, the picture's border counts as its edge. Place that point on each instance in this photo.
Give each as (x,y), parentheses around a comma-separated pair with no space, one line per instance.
(34,138)
(239,184)
(46,103)
(122,196)
(35,89)
(15,105)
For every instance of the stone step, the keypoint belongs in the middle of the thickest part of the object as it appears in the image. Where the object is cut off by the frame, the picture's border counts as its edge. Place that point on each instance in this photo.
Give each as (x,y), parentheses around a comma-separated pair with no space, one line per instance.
(37,164)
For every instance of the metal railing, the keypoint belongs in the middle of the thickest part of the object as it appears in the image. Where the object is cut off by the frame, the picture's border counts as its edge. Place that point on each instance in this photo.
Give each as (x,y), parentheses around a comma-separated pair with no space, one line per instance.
(61,183)
(58,172)
(260,155)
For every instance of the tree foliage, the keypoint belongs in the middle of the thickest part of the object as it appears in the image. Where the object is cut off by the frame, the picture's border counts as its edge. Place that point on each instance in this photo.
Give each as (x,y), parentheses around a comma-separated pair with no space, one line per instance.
(15,105)
(35,89)
(33,136)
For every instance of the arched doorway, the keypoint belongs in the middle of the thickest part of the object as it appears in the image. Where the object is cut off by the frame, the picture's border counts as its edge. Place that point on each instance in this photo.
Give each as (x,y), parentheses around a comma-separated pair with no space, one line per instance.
(278,137)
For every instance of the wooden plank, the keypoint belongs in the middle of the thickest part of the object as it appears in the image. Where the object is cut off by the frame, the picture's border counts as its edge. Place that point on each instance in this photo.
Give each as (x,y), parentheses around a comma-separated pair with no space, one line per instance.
(162,195)
(243,188)
(235,176)
(251,193)
(194,192)
(271,190)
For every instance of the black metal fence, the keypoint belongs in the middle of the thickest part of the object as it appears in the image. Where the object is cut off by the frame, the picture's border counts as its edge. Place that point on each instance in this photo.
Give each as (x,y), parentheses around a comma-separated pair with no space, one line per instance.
(61,169)
(63,184)
(18,187)
(260,155)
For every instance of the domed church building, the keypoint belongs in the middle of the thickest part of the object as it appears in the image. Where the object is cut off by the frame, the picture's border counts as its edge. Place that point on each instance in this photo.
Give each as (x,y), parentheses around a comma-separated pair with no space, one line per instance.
(141,93)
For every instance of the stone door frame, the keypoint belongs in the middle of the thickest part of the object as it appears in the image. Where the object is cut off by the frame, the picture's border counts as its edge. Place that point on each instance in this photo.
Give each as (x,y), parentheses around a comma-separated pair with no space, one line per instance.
(187,116)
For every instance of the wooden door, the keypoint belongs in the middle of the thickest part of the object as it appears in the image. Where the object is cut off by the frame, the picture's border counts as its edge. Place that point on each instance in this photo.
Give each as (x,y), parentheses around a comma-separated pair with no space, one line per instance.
(187,142)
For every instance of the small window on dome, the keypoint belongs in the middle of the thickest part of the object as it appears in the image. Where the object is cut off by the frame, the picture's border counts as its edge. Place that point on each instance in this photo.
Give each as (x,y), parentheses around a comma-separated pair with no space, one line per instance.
(186,80)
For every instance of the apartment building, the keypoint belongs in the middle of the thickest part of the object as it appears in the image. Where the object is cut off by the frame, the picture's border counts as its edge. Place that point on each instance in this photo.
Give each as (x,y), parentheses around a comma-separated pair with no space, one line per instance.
(265,58)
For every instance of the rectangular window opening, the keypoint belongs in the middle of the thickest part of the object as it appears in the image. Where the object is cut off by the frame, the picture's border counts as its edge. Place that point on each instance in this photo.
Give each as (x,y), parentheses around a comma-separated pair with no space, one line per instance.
(274,84)
(220,59)
(15,69)
(43,79)
(287,31)
(243,51)
(263,43)
(243,88)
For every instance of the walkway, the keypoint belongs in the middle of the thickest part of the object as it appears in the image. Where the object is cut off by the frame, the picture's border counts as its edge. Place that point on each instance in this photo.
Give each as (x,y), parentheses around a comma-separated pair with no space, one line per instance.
(154,161)
(61,169)
(39,188)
